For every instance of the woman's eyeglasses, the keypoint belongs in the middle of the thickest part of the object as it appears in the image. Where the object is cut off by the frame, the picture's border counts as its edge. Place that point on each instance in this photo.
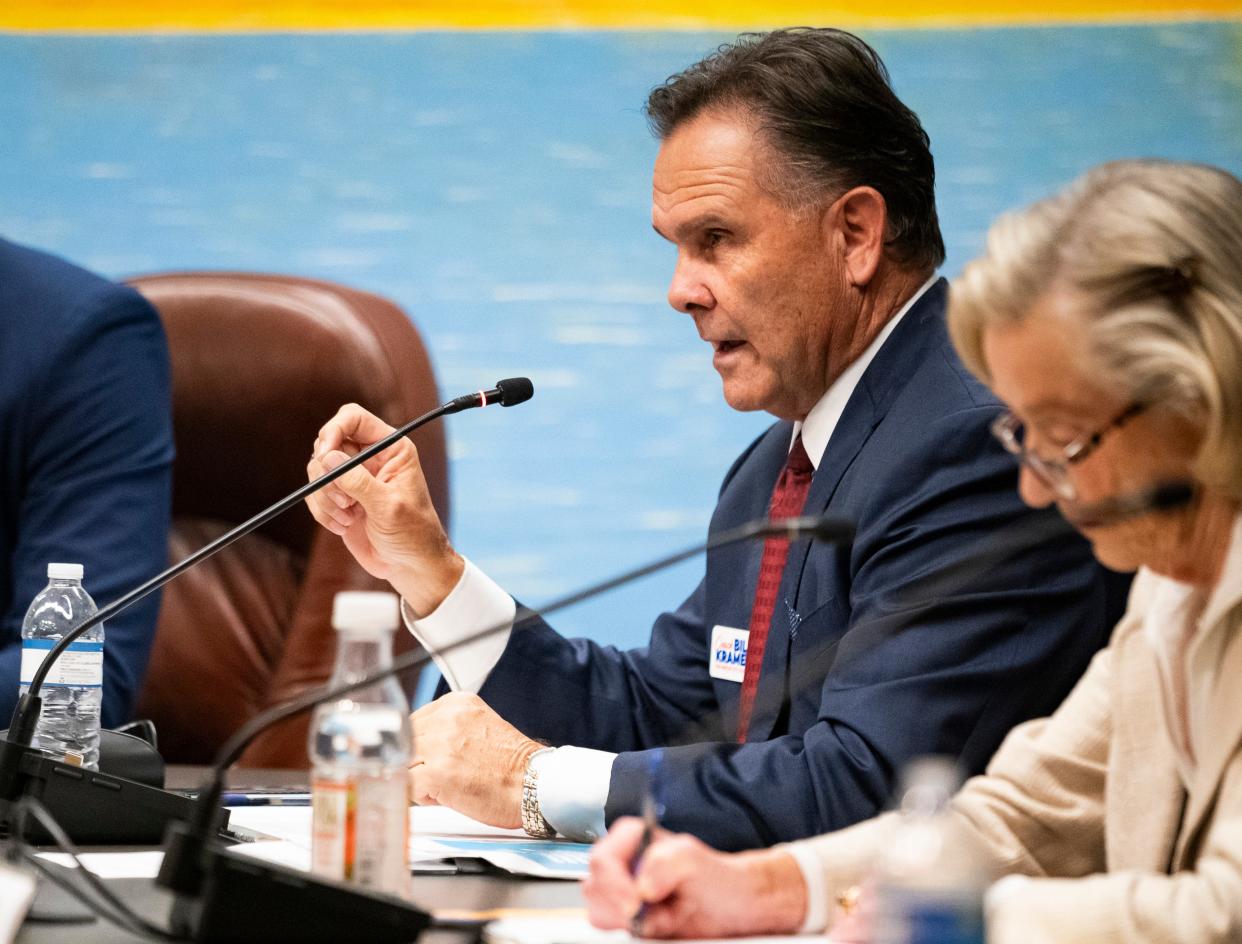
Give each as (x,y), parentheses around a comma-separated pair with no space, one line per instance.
(1055,472)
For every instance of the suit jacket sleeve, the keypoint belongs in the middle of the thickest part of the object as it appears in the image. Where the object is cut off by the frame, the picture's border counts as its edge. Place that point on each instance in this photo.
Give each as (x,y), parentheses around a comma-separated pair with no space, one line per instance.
(1041,811)
(99,484)
(600,697)
(958,626)
(1199,906)
(1038,811)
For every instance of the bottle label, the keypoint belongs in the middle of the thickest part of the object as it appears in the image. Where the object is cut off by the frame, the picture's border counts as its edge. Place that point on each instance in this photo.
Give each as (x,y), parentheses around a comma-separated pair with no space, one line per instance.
(79,666)
(928,916)
(360,830)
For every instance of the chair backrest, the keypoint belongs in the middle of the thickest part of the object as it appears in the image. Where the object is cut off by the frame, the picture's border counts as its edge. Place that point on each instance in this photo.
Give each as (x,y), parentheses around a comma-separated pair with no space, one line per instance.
(259,364)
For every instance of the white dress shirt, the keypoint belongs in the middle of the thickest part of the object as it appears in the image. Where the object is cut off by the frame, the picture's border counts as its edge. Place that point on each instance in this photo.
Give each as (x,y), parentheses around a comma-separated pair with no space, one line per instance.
(574,781)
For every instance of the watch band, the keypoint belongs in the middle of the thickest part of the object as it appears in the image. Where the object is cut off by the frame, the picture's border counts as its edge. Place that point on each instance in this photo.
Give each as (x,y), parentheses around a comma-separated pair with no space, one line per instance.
(533,822)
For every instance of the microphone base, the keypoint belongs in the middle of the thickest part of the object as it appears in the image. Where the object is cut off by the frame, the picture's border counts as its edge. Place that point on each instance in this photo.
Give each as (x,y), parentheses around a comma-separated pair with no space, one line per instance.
(93,807)
(246,900)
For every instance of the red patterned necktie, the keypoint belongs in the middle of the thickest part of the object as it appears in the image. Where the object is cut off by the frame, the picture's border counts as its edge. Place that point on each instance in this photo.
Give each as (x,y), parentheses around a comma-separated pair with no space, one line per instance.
(787,500)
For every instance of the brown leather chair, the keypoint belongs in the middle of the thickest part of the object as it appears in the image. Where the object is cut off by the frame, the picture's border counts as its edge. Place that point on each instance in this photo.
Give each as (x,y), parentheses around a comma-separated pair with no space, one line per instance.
(259,363)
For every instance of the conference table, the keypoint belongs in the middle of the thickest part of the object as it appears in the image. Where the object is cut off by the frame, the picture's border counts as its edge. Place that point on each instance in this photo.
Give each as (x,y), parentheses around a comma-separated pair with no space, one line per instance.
(460,892)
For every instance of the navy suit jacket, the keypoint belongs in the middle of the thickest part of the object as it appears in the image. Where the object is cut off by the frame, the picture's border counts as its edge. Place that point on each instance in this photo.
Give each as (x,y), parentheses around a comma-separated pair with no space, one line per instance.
(957,613)
(85,456)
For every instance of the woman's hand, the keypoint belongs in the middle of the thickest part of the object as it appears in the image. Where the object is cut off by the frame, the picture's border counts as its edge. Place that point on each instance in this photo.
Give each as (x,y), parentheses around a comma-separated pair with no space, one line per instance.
(684,888)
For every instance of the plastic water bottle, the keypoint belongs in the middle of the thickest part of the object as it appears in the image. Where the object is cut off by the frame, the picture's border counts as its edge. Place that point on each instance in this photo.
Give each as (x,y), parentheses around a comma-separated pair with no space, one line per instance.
(931,876)
(360,749)
(72,693)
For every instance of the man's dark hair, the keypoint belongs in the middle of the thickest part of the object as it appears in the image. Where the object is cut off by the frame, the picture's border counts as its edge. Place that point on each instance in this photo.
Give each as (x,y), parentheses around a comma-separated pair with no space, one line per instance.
(822,100)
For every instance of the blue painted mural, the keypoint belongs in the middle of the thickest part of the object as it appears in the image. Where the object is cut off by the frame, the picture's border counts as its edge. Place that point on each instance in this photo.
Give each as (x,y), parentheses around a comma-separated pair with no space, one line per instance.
(496,185)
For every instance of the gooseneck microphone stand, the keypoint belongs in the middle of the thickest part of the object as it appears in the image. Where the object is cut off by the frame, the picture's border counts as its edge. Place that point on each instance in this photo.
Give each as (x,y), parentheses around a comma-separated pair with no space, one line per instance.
(100,808)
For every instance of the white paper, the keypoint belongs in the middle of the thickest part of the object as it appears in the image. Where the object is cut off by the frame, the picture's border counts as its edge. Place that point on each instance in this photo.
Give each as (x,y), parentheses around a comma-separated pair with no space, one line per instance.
(441,821)
(295,856)
(17,890)
(436,834)
(539,929)
(538,858)
(293,824)
(113,864)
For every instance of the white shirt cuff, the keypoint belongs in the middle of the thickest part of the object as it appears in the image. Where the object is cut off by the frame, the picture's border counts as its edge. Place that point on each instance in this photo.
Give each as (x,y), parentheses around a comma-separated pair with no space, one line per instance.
(476,604)
(817,905)
(573,790)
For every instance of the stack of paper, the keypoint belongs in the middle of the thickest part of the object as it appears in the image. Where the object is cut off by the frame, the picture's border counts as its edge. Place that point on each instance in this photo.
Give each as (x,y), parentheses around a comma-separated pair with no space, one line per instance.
(437,834)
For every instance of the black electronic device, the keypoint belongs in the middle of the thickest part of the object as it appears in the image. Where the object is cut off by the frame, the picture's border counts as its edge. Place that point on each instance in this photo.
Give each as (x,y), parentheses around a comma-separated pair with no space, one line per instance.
(243,899)
(110,809)
(104,805)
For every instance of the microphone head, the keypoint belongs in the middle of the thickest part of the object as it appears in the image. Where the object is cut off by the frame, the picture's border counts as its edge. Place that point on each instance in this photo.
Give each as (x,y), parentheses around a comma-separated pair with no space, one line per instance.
(1166,496)
(827,528)
(1172,495)
(515,390)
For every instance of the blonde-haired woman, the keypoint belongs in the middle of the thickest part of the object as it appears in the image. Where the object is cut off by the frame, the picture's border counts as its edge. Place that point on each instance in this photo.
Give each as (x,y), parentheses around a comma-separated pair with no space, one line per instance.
(1109,319)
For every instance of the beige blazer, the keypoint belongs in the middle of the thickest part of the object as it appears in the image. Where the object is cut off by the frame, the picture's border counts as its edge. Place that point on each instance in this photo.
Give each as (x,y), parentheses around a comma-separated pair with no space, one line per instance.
(1089,802)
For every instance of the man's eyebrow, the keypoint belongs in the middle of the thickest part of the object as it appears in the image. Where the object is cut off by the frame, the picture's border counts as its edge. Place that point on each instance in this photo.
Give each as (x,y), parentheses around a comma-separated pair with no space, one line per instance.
(695,224)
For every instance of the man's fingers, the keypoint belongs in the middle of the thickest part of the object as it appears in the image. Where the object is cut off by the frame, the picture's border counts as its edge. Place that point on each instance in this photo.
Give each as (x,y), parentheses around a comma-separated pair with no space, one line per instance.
(351,424)
(358,483)
(330,493)
(423,787)
(324,510)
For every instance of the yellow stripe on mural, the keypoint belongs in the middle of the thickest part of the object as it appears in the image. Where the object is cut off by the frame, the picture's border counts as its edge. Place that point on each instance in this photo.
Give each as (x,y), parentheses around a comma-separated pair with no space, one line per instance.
(244,15)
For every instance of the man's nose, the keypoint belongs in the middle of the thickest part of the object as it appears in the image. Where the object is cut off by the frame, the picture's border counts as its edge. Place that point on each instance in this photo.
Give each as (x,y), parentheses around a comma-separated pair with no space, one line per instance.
(687,292)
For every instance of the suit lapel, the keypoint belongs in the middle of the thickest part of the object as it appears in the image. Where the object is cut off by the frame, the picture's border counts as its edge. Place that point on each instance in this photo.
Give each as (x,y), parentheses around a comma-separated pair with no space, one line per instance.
(741,562)
(1143,785)
(897,359)
(1221,615)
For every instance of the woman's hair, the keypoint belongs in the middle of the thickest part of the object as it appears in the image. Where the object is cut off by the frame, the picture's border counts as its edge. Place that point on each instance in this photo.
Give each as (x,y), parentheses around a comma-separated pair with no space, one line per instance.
(1148,255)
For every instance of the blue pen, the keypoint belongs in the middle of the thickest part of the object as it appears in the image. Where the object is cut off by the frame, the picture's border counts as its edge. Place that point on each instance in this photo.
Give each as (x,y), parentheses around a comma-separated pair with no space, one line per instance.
(653,809)
(265,799)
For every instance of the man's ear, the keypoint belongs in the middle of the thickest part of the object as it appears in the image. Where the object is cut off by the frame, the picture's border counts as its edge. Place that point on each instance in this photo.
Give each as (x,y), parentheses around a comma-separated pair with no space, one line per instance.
(857,221)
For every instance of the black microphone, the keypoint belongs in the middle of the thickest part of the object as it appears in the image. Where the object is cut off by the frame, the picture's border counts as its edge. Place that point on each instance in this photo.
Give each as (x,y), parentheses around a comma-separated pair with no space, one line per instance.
(1165,496)
(221,898)
(509,392)
(101,808)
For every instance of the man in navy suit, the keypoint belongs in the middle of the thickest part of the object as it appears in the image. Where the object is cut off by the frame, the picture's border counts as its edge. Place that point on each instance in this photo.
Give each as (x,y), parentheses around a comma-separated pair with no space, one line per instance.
(86,456)
(798,192)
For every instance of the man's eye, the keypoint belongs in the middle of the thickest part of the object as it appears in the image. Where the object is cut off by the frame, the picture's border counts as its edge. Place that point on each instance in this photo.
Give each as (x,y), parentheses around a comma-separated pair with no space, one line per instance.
(713,237)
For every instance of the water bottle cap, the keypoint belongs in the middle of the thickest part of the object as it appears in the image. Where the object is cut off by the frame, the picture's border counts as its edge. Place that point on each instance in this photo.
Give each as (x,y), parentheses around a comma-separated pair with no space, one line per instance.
(365,611)
(928,783)
(64,571)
